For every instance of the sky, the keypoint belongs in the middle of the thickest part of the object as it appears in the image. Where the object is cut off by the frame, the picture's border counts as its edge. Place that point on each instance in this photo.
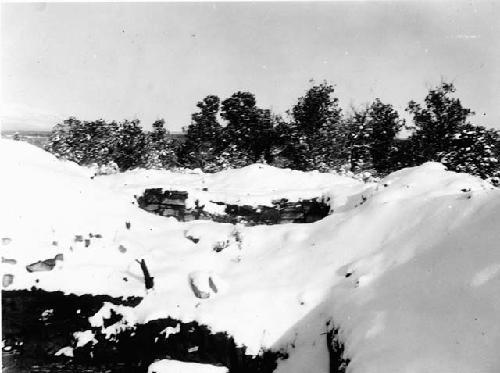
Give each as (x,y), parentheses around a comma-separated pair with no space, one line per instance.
(157,60)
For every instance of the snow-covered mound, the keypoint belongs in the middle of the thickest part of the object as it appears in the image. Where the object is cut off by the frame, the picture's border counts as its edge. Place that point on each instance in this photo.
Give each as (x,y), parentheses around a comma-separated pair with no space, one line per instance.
(253,185)
(408,268)
(172,366)
(51,207)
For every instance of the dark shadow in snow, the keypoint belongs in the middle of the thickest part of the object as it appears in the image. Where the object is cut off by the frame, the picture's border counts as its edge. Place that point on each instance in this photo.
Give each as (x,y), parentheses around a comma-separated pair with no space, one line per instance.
(315,330)
(31,340)
(36,324)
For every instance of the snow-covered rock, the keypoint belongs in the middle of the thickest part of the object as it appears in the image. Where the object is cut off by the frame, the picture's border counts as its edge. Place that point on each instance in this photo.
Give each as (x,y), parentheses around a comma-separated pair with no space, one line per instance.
(65,351)
(84,338)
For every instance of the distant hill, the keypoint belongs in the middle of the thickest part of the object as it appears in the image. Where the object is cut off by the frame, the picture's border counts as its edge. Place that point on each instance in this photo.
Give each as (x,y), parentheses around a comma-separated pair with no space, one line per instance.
(37,138)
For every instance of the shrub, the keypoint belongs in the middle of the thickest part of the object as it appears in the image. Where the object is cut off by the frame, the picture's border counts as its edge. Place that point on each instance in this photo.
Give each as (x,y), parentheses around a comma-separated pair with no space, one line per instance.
(84,142)
(443,134)
(160,150)
(109,145)
(203,136)
(315,137)
(249,129)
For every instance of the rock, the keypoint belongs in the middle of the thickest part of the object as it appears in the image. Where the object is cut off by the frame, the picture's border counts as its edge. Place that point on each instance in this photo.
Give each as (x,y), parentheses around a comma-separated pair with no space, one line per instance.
(169,212)
(176,194)
(173,202)
(42,266)
(194,239)
(220,245)
(190,217)
(246,210)
(232,209)
(291,216)
(148,279)
(199,284)
(212,284)
(152,199)
(152,207)
(269,215)
(8,261)
(7,279)
(122,249)
(280,201)
(152,192)
(204,284)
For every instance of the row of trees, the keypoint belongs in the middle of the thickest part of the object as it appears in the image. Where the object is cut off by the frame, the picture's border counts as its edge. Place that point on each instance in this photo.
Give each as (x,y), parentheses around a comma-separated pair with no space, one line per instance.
(122,145)
(316,134)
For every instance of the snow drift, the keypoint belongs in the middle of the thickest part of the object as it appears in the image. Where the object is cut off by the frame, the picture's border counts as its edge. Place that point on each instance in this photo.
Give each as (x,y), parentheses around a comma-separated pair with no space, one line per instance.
(408,268)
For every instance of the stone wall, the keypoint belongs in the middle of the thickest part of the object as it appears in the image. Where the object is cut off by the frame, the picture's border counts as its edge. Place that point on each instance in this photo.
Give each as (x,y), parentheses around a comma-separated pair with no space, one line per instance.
(165,203)
(173,203)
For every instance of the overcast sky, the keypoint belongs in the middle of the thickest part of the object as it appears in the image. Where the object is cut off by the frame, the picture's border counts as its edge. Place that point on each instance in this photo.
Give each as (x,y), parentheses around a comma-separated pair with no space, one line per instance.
(156,60)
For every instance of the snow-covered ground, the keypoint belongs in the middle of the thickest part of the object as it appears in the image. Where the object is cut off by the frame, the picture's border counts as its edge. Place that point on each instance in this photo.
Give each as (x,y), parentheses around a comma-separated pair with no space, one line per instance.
(408,268)
(254,185)
(170,366)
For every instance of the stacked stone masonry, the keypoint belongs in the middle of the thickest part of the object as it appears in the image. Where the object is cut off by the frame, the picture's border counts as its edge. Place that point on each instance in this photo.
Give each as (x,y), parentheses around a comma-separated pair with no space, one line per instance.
(173,203)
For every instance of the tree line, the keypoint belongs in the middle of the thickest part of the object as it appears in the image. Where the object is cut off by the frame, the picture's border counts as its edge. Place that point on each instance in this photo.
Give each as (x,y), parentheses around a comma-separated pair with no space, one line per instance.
(315,134)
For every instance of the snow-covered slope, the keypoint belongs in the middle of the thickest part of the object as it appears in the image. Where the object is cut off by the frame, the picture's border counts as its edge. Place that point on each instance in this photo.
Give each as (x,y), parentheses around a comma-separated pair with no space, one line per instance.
(408,268)
(254,185)
(416,286)
(170,366)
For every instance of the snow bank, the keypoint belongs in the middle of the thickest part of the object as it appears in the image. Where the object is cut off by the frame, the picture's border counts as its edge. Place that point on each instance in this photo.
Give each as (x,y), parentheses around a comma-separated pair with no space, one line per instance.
(427,301)
(257,184)
(407,262)
(408,268)
(173,366)
(50,207)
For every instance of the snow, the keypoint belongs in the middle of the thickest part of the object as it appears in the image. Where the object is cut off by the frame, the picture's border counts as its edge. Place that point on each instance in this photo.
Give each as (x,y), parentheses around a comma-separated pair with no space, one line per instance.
(168,331)
(257,184)
(127,319)
(485,275)
(83,338)
(408,268)
(173,366)
(65,351)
